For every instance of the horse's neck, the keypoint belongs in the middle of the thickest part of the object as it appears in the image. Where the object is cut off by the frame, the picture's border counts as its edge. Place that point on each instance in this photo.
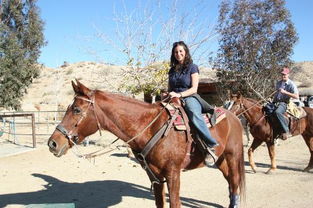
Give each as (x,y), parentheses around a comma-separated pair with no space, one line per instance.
(253,112)
(124,117)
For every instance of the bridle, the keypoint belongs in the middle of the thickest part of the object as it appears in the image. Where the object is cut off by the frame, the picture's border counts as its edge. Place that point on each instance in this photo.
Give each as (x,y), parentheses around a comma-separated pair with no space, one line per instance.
(238,107)
(73,138)
(241,106)
(245,111)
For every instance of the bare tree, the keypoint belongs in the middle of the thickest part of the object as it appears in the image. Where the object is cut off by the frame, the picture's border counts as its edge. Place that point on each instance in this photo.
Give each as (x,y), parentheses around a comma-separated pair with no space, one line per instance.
(143,39)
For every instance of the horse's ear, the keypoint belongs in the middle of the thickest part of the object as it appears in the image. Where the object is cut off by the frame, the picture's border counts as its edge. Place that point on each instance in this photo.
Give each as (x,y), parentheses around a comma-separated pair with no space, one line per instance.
(75,87)
(80,89)
(235,95)
(239,95)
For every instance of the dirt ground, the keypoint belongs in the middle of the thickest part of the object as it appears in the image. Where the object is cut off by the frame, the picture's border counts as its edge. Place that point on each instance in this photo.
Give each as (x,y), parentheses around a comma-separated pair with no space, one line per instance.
(37,177)
(114,180)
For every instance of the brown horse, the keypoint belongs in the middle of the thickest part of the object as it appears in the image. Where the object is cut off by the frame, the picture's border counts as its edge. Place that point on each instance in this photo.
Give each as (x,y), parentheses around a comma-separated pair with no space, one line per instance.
(261,129)
(129,118)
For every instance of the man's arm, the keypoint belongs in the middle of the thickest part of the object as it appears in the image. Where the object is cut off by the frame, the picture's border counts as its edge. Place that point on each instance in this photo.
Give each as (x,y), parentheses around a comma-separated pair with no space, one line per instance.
(293,95)
(292,91)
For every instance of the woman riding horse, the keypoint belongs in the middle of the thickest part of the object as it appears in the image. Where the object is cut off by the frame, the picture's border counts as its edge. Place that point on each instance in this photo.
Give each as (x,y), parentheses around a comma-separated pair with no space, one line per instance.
(183,83)
(136,122)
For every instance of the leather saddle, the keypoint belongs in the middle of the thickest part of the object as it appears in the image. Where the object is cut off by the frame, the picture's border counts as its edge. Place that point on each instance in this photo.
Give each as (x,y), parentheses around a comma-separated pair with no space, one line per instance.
(292,116)
(179,123)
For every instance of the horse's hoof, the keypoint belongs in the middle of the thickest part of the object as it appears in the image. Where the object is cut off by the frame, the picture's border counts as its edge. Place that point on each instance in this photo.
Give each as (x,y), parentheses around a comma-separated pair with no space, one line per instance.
(234,201)
(233,207)
(307,169)
(269,172)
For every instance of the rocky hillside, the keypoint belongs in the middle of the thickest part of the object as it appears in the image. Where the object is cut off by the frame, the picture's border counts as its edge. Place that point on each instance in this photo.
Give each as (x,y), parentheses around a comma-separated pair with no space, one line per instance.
(303,76)
(53,89)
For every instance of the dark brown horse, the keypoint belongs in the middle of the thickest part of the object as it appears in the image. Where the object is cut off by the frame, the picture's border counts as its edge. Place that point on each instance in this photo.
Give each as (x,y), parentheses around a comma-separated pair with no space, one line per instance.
(128,118)
(261,129)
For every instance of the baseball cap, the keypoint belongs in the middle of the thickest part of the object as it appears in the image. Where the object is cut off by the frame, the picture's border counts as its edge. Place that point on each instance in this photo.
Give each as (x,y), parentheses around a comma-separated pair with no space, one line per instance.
(285,71)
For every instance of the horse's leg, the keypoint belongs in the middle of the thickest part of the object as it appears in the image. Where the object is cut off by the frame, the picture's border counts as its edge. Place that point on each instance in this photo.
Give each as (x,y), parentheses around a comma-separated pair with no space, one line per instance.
(159,195)
(173,186)
(223,167)
(272,153)
(130,153)
(247,135)
(247,129)
(309,142)
(256,142)
(233,180)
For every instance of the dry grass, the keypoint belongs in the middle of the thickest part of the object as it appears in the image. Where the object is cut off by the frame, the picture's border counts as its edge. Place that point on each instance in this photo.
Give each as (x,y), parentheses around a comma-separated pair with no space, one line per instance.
(53,88)
(303,76)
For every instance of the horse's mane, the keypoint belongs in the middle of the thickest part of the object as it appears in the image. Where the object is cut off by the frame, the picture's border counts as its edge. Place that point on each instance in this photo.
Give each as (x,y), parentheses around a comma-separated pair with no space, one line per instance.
(255,102)
(251,100)
(127,99)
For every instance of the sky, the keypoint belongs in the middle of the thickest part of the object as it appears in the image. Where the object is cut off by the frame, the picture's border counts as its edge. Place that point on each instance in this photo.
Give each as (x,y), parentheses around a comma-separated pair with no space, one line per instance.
(71,25)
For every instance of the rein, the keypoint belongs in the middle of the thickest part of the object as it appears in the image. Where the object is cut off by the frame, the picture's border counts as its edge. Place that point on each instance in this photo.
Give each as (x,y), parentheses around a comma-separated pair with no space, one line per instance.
(246,109)
(253,104)
(97,153)
(69,134)
(241,105)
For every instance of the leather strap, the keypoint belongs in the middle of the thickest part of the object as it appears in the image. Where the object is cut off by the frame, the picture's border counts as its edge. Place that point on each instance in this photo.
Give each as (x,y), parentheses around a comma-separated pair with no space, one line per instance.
(186,121)
(174,116)
(153,141)
(61,129)
(141,157)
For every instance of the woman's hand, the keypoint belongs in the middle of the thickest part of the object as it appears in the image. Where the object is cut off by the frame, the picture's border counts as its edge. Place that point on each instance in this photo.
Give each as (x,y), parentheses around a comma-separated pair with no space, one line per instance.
(174,94)
(164,95)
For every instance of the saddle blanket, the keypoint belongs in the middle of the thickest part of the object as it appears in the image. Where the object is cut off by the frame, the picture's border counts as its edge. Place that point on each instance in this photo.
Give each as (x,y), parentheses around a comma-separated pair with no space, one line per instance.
(295,111)
(179,123)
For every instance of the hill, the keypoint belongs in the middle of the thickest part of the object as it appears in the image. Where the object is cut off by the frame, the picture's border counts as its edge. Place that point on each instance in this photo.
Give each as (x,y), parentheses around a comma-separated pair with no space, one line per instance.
(303,77)
(52,90)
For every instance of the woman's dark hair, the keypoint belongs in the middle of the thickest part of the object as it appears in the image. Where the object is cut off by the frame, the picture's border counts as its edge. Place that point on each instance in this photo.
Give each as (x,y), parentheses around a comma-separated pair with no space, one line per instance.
(188,59)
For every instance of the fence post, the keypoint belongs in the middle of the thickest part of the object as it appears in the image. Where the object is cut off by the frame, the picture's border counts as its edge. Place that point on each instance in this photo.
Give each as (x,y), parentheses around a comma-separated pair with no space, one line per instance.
(33,130)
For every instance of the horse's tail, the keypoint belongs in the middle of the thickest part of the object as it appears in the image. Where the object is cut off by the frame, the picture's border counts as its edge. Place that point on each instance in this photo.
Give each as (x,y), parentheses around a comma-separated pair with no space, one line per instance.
(242,184)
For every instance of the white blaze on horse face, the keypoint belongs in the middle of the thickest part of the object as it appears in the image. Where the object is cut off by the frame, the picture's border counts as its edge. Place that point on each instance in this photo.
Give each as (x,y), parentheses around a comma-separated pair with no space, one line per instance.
(229,105)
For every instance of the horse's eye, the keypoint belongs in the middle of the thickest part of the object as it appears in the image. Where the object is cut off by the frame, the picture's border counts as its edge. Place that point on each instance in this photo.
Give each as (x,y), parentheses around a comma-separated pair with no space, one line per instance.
(76,110)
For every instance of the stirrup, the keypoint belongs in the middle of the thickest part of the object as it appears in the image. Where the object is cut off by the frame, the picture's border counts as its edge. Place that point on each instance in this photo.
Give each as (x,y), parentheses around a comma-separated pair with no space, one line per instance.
(285,136)
(212,119)
(210,158)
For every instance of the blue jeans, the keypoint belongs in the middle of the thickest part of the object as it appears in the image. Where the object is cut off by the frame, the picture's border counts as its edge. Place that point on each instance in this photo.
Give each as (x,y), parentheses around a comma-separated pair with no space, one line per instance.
(279,112)
(194,111)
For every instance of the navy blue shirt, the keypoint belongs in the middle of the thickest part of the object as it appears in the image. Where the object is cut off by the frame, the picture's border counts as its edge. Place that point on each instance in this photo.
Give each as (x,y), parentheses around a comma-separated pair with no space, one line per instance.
(180,81)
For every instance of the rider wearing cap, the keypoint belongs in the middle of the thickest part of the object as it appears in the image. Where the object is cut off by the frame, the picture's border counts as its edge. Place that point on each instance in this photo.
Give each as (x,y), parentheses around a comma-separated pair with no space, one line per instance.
(286,89)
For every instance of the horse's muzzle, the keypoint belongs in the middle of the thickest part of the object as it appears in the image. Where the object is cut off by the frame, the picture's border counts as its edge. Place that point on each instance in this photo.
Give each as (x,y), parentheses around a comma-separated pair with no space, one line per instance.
(55,149)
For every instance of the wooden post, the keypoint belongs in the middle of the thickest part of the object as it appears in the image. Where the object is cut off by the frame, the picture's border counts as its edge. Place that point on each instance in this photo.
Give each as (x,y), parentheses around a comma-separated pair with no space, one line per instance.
(33,130)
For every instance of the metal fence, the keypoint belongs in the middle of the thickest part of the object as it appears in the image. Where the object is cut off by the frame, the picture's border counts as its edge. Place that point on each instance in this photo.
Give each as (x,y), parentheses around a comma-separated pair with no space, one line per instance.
(28,126)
